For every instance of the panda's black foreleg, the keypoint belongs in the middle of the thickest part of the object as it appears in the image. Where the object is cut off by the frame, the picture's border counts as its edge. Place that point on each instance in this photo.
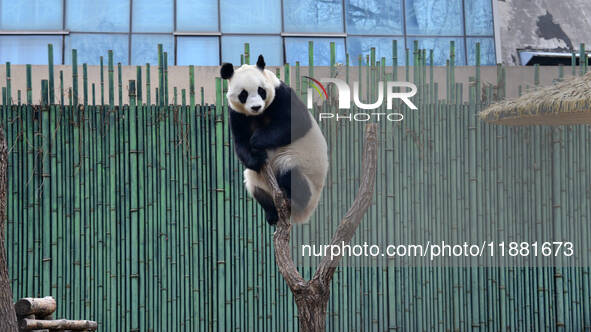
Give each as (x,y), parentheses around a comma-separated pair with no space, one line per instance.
(266,202)
(294,185)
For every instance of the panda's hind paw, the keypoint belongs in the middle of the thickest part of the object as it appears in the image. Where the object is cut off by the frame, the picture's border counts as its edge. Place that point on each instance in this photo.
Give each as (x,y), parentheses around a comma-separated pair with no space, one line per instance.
(272,218)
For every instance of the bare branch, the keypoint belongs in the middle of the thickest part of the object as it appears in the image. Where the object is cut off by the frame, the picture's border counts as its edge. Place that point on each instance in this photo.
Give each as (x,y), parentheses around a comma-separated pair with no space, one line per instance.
(283,258)
(354,215)
(344,232)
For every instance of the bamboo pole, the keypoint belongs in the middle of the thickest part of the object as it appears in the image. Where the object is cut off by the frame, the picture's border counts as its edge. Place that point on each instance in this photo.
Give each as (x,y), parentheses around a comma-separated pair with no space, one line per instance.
(120,84)
(192,86)
(111,80)
(29,86)
(102,72)
(51,73)
(84,84)
(8,101)
(148,85)
(75,76)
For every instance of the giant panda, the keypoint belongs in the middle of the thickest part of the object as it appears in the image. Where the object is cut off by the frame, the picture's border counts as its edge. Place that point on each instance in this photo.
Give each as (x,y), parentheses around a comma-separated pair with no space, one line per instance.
(269,123)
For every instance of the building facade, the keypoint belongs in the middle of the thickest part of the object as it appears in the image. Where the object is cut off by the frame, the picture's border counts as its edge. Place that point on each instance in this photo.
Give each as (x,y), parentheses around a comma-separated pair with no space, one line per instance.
(544,26)
(208,32)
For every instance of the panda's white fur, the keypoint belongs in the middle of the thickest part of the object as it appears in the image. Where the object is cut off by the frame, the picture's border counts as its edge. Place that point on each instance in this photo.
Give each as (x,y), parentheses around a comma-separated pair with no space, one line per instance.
(307,153)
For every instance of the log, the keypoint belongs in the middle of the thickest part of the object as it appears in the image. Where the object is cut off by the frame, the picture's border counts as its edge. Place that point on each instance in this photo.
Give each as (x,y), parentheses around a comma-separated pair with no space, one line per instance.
(59,324)
(40,307)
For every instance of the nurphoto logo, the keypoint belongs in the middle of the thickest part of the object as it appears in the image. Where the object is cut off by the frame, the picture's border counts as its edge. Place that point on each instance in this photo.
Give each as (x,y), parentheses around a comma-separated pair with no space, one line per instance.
(394,90)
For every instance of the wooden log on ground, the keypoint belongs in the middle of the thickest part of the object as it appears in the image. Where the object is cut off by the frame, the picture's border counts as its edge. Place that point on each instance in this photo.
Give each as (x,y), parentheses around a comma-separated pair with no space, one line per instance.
(40,307)
(59,324)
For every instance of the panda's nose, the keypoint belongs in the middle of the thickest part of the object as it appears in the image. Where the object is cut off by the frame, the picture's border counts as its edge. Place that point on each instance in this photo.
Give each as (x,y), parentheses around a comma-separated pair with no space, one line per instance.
(256,108)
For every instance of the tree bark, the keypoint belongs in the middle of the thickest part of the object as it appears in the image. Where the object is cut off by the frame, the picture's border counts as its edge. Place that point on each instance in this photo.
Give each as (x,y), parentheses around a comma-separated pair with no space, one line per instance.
(59,324)
(7,315)
(312,296)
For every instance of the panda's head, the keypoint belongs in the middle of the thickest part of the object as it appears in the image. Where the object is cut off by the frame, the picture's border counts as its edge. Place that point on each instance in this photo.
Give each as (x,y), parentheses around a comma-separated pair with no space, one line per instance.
(251,88)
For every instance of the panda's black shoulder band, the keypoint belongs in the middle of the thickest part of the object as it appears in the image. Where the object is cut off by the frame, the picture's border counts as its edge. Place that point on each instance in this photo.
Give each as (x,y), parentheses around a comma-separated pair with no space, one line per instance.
(227,71)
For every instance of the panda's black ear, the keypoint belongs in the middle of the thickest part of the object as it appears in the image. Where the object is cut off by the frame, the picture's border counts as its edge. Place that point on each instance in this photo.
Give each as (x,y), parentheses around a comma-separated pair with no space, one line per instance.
(261,62)
(227,71)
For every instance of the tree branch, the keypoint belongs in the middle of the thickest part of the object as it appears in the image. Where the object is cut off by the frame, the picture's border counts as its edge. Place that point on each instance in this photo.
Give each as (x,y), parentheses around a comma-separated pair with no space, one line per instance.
(352,218)
(283,258)
(7,315)
(344,232)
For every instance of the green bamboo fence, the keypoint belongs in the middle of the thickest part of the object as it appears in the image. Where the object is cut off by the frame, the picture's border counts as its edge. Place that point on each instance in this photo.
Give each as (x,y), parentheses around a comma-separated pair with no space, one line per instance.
(135,215)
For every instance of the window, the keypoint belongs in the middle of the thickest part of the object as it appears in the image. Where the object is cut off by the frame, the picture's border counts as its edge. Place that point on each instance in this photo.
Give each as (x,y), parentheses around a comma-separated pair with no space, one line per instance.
(296,49)
(198,51)
(374,17)
(144,48)
(313,15)
(357,46)
(254,16)
(152,16)
(487,51)
(31,15)
(91,46)
(97,16)
(268,46)
(479,18)
(434,17)
(441,48)
(194,15)
(29,49)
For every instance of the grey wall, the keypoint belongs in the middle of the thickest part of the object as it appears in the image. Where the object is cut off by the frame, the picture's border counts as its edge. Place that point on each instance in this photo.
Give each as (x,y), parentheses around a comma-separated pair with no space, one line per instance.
(205,76)
(542,25)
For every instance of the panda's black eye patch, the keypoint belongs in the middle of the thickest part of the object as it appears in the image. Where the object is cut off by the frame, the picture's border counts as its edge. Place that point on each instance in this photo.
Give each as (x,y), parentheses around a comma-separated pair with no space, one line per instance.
(262,93)
(242,96)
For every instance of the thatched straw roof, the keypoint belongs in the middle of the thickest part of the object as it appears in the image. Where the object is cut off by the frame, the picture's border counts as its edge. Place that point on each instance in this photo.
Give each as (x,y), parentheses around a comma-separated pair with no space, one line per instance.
(564,103)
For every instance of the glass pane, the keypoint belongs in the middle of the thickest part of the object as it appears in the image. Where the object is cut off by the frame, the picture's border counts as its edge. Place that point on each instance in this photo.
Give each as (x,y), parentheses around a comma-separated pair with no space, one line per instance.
(192,15)
(374,17)
(198,51)
(313,15)
(144,48)
(262,16)
(296,49)
(487,51)
(440,47)
(268,46)
(98,16)
(91,46)
(152,16)
(479,17)
(362,45)
(434,17)
(29,49)
(31,15)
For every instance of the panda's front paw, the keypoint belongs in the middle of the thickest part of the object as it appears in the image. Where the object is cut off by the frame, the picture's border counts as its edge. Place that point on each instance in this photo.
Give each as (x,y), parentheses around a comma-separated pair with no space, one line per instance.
(257,160)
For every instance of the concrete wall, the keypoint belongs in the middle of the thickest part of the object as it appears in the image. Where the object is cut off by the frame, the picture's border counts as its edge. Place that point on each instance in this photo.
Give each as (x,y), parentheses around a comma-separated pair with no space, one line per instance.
(552,25)
(205,76)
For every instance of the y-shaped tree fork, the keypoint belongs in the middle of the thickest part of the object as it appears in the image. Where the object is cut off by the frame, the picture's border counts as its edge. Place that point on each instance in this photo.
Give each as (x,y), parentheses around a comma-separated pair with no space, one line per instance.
(312,296)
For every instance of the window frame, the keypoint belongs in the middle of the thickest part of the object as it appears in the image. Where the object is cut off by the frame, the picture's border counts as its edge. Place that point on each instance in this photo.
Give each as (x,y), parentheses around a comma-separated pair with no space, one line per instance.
(408,38)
